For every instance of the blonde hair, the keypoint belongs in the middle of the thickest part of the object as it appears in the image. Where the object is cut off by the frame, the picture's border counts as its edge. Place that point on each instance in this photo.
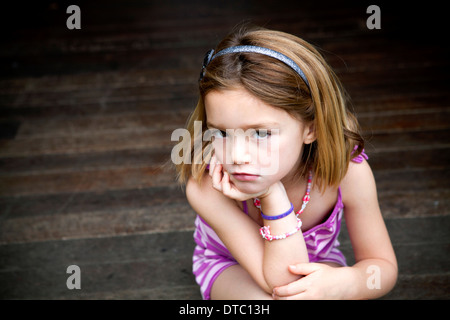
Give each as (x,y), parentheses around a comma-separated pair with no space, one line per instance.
(323,103)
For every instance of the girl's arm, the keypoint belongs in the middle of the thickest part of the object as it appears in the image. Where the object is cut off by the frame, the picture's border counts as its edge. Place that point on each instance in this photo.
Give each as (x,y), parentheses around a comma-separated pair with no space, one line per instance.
(375,271)
(372,246)
(265,262)
(278,254)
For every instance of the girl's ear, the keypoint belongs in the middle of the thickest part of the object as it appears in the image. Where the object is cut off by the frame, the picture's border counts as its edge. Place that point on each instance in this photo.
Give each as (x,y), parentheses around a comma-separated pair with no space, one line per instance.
(309,133)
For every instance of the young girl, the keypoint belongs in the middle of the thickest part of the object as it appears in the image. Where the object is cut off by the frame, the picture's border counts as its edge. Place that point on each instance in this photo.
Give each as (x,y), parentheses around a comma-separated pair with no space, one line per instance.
(284,163)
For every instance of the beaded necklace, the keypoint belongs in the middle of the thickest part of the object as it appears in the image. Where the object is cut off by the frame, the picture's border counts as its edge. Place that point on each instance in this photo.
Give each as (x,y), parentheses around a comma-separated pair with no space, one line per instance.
(306,197)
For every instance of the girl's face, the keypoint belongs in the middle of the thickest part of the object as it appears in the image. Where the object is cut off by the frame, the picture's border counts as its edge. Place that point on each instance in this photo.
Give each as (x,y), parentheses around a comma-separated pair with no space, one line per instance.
(257,144)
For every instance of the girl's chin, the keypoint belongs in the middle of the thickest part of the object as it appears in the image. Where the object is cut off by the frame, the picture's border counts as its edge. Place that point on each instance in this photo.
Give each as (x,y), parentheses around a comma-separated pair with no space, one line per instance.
(249,187)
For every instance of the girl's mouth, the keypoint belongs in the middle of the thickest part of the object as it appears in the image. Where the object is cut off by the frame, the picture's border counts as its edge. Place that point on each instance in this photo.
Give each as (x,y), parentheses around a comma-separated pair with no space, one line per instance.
(242,176)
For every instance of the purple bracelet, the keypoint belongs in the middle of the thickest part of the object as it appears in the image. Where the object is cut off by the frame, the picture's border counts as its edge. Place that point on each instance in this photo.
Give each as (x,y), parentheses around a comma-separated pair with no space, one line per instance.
(284,214)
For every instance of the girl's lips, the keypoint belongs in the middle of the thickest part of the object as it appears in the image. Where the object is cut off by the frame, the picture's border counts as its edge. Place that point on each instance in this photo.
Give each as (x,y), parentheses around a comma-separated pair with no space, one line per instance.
(242,176)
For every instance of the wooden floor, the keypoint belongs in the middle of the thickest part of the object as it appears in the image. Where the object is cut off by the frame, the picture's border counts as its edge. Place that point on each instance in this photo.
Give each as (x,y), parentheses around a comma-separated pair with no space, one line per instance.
(86,118)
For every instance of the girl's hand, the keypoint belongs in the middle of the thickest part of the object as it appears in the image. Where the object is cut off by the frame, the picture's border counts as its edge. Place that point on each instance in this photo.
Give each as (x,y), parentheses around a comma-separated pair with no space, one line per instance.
(221,182)
(319,281)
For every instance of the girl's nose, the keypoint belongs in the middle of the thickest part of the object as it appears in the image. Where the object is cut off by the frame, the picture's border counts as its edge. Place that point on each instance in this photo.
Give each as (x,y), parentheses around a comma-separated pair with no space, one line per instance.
(240,150)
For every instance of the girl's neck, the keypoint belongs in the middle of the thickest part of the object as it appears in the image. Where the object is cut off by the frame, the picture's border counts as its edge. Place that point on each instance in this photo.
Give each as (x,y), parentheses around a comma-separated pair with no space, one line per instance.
(293,179)
(295,186)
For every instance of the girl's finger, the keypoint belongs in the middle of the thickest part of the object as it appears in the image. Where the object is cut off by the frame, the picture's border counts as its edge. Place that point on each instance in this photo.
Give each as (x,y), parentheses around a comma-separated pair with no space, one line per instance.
(291,289)
(226,185)
(230,190)
(301,296)
(304,268)
(212,165)
(217,177)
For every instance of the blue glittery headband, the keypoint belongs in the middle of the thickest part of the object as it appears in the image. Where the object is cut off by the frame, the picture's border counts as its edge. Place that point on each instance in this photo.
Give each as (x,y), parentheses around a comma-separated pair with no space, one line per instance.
(265,51)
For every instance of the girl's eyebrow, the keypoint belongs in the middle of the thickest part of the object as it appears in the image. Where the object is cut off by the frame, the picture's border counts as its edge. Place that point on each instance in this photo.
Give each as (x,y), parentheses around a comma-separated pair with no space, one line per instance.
(263,125)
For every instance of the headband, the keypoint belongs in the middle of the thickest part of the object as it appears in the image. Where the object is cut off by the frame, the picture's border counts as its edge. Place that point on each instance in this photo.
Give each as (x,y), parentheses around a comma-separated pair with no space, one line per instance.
(254,49)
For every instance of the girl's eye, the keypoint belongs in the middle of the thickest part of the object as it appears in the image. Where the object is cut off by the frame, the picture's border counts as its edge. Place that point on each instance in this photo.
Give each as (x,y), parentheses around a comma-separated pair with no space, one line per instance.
(262,134)
(219,133)
(256,134)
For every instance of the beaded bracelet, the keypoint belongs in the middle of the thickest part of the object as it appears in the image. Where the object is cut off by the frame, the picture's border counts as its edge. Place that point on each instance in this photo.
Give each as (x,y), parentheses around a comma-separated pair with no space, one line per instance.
(284,214)
(265,232)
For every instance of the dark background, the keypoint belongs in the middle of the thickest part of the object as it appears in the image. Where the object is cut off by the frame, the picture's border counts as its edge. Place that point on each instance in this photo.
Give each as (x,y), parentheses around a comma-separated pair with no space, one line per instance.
(86,118)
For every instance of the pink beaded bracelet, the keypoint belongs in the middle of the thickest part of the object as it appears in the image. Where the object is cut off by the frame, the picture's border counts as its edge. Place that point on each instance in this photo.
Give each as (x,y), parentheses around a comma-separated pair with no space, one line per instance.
(265,232)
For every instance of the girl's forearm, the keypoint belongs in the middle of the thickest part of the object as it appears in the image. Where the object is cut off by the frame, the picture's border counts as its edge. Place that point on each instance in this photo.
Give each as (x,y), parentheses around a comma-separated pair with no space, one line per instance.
(279,254)
(371,279)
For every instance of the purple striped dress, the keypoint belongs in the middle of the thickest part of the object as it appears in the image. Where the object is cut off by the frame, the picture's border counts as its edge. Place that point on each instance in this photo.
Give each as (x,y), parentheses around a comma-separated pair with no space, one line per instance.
(211,257)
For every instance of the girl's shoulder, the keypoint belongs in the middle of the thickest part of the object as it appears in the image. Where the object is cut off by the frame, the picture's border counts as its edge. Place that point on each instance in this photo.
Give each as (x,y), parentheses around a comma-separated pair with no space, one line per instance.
(358,183)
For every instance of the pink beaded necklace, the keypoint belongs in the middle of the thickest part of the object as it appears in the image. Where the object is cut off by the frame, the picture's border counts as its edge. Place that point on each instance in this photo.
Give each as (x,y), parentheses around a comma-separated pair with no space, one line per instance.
(306,197)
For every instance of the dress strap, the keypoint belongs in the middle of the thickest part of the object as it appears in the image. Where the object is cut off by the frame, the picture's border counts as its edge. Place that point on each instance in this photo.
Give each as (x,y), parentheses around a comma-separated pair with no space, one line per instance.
(244,207)
(361,157)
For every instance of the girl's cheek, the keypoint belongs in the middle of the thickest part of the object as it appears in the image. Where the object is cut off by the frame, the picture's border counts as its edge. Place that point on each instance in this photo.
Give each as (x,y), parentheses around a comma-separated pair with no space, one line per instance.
(219,150)
(269,156)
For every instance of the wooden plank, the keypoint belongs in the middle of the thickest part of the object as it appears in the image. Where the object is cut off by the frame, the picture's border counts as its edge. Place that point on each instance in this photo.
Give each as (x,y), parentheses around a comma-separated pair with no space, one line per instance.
(413,180)
(102,123)
(78,203)
(103,95)
(62,163)
(91,214)
(107,266)
(421,287)
(412,159)
(102,223)
(420,100)
(420,120)
(110,179)
(102,142)
(418,203)
(405,141)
